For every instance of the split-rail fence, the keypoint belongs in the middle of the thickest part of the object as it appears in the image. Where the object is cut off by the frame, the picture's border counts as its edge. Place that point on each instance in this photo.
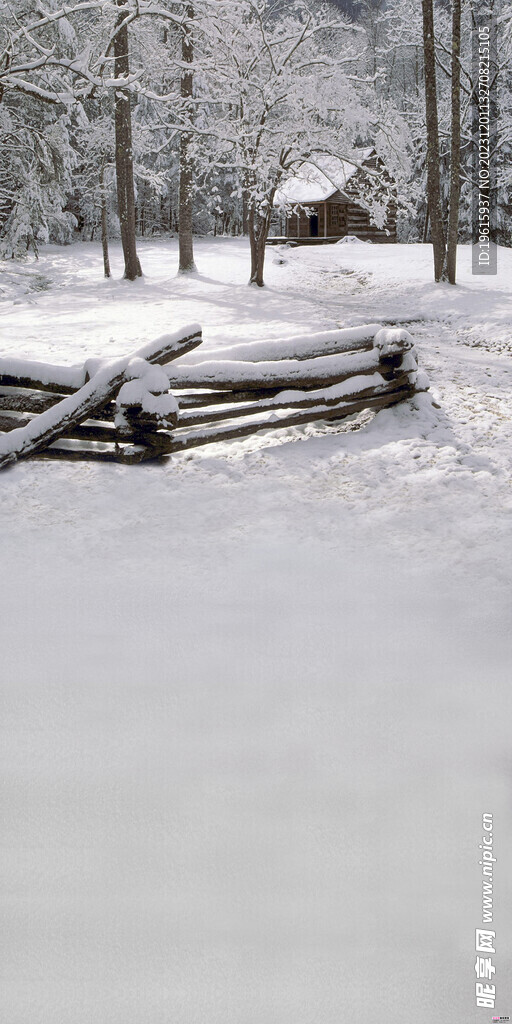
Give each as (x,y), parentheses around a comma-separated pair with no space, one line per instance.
(168,398)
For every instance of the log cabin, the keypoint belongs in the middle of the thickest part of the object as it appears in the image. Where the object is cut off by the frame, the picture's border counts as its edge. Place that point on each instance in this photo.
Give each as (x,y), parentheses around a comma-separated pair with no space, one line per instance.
(319,204)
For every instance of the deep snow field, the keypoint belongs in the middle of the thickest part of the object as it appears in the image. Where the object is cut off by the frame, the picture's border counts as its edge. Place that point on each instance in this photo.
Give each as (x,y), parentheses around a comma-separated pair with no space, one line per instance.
(256,700)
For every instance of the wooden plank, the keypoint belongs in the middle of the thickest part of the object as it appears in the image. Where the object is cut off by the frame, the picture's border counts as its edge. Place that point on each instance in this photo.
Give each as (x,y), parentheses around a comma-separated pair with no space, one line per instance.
(19,399)
(198,399)
(25,373)
(201,399)
(301,346)
(9,420)
(74,451)
(248,389)
(170,443)
(307,374)
(289,400)
(233,431)
(138,420)
(71,411)
(29,400)
(158,352)
(94,431)
(65,380)
(88,431)
(130,455)
(59,453)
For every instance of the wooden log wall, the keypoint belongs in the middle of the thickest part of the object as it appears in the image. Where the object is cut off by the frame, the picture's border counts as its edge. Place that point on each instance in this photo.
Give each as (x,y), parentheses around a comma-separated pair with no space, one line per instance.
(359,224)
(332,375)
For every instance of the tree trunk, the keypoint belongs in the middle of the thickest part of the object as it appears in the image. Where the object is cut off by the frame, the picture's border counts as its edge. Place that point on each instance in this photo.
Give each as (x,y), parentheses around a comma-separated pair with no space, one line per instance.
(433,160)
(245,216)
(425,225)
(258,225)
(453,220)
(186,244)
(104,224)
(124,151)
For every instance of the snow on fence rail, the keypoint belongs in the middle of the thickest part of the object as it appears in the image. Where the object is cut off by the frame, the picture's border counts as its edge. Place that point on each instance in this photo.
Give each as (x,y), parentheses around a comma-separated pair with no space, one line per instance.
(147,405)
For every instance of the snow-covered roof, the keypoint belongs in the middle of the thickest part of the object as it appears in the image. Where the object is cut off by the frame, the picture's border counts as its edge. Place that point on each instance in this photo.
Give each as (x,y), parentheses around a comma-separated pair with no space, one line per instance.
(316,182)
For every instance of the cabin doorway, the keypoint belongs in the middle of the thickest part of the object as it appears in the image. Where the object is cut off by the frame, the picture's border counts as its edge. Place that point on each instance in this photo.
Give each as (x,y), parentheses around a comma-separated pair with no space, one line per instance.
(313,225)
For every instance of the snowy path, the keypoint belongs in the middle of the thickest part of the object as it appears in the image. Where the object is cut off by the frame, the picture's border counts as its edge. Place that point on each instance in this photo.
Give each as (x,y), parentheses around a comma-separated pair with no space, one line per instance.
(255,702)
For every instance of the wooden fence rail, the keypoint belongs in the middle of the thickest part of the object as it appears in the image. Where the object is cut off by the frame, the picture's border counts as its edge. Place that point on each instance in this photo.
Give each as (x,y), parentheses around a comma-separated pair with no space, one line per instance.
(147,405)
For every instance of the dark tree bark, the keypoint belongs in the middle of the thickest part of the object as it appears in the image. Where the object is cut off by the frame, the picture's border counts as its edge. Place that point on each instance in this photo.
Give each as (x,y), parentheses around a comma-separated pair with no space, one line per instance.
(433,160)
(186,244)
(124,150)
(425,225)
(104,224)
(245,223)
(258,225)
(453,220)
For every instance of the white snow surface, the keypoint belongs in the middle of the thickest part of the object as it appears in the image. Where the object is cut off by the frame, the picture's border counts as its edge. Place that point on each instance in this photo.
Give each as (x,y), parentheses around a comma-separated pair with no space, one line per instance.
(255,700)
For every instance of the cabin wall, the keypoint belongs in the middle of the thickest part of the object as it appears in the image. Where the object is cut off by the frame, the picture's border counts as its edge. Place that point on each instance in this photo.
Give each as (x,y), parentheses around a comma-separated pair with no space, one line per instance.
(358,220)
(342,219)
(297,225)
(344,215)
(358,223)
(336,219)
(303,222)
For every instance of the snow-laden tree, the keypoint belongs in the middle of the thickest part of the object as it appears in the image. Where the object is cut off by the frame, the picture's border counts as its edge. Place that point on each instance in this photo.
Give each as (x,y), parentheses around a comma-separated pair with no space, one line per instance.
(35,177)
(124,143)
(432,124)
(185,148)
(61,57)
(503,153)
(36,157)
(237,92)
(401,49)
(94,173)
(283,90)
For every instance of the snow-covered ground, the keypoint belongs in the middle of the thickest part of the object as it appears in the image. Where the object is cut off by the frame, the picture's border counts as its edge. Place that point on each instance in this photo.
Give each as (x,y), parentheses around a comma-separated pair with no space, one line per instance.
(256,701)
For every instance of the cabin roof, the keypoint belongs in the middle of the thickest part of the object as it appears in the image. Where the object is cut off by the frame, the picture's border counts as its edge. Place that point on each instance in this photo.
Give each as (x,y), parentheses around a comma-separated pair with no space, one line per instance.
(314,183)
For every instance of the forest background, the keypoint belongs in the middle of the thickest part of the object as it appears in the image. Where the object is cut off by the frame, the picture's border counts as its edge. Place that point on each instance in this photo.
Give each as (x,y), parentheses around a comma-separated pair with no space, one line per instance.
(146,117)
